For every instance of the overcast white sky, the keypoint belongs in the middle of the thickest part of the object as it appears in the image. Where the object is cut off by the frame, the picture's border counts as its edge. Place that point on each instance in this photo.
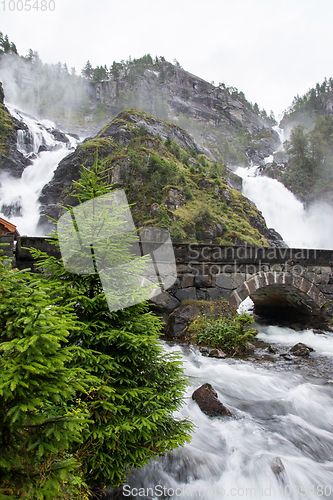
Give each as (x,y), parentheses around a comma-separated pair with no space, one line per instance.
(269,49)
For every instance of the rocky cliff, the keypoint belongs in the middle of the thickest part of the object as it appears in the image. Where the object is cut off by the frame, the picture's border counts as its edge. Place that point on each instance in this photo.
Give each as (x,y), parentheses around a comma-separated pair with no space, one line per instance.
(173,181)
(11,160)
(217,116)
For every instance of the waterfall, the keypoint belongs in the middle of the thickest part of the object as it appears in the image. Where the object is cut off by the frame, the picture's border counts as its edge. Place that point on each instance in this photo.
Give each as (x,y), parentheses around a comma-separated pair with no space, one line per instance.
(19,197)
(299,227)
(279,442)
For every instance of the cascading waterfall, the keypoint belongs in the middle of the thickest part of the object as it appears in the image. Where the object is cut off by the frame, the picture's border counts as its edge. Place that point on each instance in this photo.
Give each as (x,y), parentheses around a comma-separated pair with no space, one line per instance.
(299,227)
(19,197)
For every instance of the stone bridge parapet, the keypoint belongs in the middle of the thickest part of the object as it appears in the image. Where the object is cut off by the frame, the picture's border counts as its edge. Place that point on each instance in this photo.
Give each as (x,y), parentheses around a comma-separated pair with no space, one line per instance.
(301,278)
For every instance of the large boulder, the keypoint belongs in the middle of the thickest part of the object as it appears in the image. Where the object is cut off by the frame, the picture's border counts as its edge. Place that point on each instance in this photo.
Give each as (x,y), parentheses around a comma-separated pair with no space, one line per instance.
(208,402)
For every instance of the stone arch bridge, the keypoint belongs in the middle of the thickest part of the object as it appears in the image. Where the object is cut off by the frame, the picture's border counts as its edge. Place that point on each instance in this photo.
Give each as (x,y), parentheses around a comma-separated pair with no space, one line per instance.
(301,279)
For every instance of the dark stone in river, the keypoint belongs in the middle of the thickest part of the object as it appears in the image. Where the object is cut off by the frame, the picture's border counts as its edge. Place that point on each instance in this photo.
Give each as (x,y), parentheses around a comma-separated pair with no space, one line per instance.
(301,350)
(208,402)
(277,465)
(217,353)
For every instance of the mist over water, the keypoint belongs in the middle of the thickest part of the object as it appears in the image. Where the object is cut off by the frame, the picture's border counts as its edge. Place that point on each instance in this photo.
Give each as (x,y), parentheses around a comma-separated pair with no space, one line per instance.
(299,227)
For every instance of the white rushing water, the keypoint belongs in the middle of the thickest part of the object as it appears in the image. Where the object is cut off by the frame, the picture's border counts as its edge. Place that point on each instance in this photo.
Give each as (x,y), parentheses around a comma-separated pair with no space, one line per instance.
(278,417)
(23,193)
(300,228)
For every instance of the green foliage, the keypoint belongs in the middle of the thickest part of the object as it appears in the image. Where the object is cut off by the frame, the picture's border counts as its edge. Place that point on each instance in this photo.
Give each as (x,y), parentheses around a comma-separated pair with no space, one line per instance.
(162,172)
(188,193)
(310,162)
(6,127)
(164,218)
(229,332)
(7,46)
(311,103)
(167,142)
(42,418)
(139,386)
(142,131)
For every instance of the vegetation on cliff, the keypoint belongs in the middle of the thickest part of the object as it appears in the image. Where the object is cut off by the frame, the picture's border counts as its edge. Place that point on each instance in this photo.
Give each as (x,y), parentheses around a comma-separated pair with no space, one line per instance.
(307,107)
(6,125)
(170,184)
(308,168)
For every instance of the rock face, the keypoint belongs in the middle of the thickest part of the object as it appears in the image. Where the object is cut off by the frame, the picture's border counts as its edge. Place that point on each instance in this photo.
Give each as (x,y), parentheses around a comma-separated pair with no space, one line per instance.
(214,115)
(11,160)
(208,402)
(162,169)
(184,94)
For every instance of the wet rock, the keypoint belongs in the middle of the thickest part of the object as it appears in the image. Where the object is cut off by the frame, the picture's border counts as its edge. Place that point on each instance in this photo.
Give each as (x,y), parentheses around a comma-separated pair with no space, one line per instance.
(250,348)
(275,239)
(301,349)
(59,136)
(277,465)
(271,349)
(217,353)
(286,356)
(204,351)
(208,402)
(12,210)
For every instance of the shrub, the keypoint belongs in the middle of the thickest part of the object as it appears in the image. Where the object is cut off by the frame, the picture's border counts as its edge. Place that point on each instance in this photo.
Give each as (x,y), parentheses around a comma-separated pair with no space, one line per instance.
(229,332)
(188,193)
(164,218)
(142,131)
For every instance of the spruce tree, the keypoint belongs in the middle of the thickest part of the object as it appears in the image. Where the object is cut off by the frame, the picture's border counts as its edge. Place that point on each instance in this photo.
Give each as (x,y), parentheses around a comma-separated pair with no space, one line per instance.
(140,386)
(41,419)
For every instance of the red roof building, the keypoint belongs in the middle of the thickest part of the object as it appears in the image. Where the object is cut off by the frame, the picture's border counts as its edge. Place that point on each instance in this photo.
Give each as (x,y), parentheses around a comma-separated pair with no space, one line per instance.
(7,228)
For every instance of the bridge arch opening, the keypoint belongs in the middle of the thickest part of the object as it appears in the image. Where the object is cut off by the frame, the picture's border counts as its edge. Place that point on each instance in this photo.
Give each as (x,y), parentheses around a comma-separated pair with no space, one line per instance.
(280,295)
